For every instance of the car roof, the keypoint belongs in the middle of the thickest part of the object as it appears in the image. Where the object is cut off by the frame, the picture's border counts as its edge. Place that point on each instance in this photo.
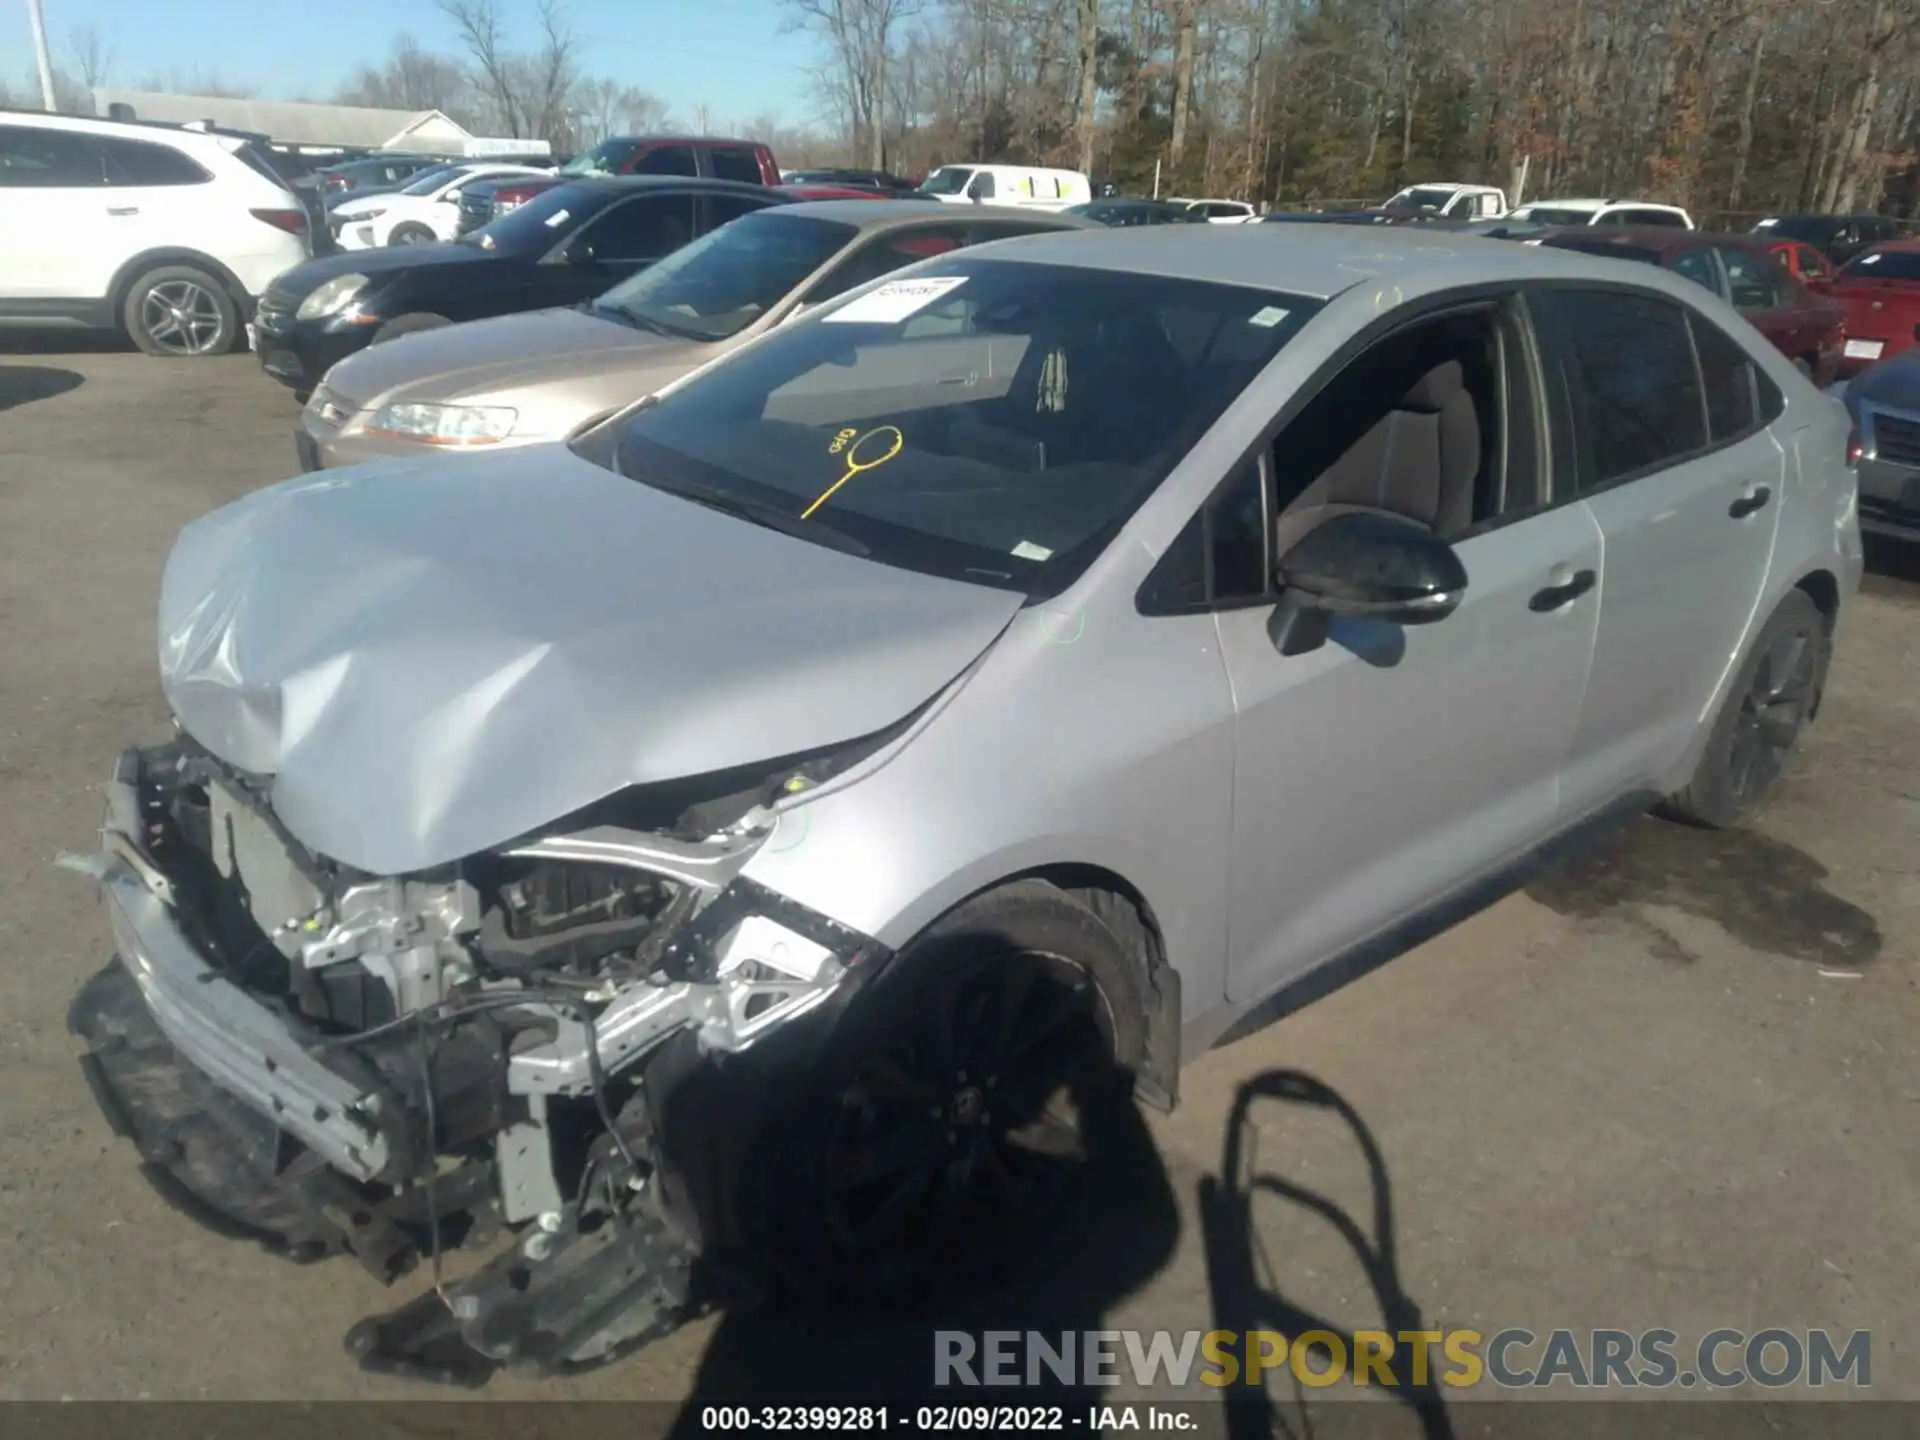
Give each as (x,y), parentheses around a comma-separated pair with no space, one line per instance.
(1321,261)
(663,182)
(678,140)
(1653,237)
(892,214)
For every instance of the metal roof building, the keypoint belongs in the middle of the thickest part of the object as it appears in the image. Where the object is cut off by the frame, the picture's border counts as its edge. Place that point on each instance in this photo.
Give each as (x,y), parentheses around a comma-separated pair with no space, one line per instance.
(291,122)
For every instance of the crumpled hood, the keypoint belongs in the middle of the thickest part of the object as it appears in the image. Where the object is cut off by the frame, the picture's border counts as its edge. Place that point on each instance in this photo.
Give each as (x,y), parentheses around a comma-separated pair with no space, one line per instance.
(460,362)
(432,658)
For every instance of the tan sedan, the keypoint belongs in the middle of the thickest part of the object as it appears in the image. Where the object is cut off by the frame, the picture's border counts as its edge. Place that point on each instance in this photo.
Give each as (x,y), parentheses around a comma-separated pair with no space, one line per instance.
(520,379)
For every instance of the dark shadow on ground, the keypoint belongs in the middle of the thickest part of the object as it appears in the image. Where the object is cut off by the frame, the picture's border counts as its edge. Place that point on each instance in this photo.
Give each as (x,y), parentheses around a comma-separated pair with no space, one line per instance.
(63,341)
(24,384)
(1764,893)
(1893,568)
(1120,1233)
(1246,1299)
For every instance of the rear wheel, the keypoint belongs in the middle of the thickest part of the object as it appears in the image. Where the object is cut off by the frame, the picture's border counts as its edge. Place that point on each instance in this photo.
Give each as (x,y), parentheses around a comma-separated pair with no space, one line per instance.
(409,325)
(948,1131)
(180,311)
(1760,722)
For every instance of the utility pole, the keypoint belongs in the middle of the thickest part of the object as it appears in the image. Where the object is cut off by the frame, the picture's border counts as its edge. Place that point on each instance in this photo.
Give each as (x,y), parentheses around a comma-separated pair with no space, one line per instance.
(40,53)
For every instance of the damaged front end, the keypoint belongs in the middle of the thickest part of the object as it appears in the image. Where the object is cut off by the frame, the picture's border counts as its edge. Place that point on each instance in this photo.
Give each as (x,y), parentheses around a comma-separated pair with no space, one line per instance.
(476,1056)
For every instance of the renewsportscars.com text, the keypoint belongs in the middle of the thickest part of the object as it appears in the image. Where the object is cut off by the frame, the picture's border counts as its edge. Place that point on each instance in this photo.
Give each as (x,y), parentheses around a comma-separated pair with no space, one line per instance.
(1511,1359)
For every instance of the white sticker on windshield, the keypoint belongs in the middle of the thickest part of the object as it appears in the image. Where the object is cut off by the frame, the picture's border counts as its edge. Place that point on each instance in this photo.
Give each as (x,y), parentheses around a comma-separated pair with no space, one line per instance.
(894,301)
(1869,260)
(1027,550)
(559,217)
(1268,318)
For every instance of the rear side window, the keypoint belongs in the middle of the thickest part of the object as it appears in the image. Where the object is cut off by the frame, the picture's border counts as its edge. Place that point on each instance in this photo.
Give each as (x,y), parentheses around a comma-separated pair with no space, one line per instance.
(1729,379)
(135,162)
(734,162)
(1751,281)
(1626,370)
(1652,217)
(883,255)
(36,159)
(667,160)
(1697,266)
(1884,265)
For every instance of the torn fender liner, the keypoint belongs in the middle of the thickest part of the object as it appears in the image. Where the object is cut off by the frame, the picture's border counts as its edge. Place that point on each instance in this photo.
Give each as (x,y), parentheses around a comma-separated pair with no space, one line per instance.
(433,658)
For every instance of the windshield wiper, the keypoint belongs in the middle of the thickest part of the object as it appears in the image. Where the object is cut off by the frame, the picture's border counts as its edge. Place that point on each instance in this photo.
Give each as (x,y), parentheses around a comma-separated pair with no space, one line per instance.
(638,321)
(758,514)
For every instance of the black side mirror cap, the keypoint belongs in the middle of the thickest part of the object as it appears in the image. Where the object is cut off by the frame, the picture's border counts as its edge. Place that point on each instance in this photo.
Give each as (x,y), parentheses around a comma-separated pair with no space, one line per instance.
(1370,565)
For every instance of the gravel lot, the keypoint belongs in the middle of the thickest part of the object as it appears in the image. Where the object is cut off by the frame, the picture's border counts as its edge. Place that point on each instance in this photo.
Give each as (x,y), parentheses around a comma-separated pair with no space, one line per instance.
(1675,1082)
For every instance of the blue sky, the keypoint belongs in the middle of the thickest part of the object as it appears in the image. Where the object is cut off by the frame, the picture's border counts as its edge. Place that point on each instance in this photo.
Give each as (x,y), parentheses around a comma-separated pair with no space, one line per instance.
(730,55)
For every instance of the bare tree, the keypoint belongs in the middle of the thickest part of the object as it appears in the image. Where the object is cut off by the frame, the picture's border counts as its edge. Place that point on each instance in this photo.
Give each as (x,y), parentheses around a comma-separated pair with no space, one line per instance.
(92,56)
(526,94)
(861,33)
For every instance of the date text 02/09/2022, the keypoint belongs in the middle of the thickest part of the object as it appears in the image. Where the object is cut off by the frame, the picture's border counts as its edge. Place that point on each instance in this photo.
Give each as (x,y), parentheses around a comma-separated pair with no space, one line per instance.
(942,1419)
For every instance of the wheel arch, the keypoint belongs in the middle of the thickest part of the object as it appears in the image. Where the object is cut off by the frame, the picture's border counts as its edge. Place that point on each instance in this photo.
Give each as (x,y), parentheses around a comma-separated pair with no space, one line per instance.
(1125,910)
(1821,586)
(132,269)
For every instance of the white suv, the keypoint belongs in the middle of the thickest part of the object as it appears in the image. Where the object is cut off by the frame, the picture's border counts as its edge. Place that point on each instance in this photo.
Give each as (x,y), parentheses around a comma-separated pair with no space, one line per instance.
(420,212)
(163,233)
(1601,212)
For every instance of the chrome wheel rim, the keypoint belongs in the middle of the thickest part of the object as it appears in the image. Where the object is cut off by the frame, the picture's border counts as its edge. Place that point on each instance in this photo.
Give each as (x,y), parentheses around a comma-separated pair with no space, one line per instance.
(1771,714)
(182,317)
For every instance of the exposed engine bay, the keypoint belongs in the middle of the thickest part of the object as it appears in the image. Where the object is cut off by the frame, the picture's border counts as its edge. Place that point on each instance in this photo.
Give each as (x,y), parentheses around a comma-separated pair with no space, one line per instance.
(477,1056)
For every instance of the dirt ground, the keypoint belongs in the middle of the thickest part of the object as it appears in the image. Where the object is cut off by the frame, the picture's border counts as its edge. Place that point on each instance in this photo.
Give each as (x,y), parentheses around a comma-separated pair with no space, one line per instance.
(1676,1082)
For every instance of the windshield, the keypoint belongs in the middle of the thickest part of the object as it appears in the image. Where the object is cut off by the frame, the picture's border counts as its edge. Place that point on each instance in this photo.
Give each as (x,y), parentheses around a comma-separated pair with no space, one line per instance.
(542,221)
(728,278)
(1422,198)
(428,181)
(1551,215)
(947,180)
(1883,265)
(606,158)
(988,420)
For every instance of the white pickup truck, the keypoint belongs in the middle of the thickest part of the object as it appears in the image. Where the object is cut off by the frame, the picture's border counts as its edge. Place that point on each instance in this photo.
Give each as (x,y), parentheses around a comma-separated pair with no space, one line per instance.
(1452,200)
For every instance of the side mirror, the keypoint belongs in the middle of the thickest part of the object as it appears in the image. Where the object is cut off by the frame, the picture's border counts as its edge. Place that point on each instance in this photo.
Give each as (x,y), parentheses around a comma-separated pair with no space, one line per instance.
(452,197)
(1367,565)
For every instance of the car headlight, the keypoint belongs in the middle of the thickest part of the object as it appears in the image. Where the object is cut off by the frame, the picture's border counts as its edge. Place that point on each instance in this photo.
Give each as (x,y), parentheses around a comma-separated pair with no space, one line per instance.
(332,297)
(445,424)
(372,214)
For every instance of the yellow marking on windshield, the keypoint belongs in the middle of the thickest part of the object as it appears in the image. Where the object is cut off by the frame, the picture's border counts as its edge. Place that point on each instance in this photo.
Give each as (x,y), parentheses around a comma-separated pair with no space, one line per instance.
(850,452)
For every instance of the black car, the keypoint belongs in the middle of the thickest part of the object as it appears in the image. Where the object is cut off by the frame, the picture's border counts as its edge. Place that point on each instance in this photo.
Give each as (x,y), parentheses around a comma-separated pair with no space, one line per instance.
(376,171)
(1121,212)
(879,180)
(1841,236)
(485,201)
(1884,402)
(566,245)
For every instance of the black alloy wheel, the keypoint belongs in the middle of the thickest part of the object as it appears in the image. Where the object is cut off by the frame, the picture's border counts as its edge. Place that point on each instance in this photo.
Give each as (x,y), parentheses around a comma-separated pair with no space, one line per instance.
(965,1130)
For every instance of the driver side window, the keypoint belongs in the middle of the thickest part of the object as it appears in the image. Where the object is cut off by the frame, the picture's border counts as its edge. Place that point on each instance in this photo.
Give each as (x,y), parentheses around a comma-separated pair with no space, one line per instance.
(1434,423)
(641,231)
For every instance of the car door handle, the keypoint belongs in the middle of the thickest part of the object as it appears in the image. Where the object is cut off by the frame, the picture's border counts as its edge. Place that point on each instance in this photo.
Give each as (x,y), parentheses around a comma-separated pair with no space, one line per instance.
(1749,503)
(123,210)
(1554,596)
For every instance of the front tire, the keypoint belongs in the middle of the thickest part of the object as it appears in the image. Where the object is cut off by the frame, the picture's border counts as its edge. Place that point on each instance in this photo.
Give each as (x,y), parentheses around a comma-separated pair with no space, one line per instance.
(946,1131)
(1772,697)
(180,312)
(411,232)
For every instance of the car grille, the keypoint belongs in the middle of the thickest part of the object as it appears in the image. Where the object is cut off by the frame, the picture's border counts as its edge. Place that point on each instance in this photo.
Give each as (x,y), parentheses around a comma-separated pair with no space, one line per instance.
(1896,439)
(475,211)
